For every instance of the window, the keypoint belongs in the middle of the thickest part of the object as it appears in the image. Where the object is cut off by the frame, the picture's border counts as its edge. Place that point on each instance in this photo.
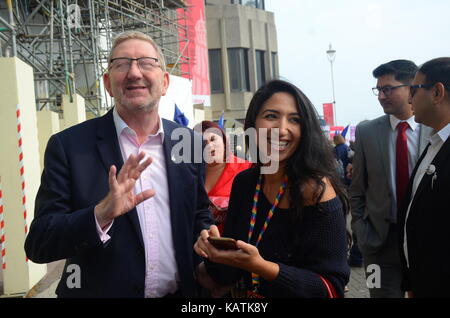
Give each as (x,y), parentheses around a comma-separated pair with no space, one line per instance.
(260,68)
(274,65)
(259,4)
(238,68)
(215,71)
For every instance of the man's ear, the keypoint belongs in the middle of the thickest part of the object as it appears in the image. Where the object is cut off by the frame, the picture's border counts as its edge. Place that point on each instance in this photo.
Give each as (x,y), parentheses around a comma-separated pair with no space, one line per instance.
(165,85)
(439,92)
(107,82)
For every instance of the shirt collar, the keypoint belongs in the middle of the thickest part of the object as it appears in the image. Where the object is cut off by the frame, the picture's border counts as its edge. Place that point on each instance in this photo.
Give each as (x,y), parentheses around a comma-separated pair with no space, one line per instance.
(442,134)
(395,121)
(121,125)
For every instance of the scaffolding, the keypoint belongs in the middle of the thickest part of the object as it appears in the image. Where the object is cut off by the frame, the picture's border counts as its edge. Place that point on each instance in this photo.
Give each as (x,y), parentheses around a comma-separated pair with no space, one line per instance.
(67,42)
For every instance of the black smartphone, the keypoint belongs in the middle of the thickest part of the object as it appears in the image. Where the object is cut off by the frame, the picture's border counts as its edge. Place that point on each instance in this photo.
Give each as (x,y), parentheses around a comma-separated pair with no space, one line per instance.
(223,243)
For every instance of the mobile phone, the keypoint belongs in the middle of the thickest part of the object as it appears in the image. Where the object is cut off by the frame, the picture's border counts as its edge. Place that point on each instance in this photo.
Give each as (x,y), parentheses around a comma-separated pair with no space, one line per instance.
(223,243)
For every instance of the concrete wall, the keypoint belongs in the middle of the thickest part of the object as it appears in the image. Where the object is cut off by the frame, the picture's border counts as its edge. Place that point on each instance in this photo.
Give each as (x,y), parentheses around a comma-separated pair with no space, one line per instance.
(236,26)
(19,171)
(21,165)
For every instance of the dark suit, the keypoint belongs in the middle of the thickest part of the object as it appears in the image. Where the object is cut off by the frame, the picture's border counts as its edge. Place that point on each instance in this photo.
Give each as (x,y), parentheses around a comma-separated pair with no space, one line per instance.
(74,180)
(428,231)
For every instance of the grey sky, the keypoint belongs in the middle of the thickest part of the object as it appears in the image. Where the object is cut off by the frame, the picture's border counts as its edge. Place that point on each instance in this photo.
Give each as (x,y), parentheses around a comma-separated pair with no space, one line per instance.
(365,34)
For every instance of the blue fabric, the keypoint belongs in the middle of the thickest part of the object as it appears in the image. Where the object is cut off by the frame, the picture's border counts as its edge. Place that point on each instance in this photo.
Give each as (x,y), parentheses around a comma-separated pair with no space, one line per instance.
(344,132)
(179,117)
(220,123)
(341,152)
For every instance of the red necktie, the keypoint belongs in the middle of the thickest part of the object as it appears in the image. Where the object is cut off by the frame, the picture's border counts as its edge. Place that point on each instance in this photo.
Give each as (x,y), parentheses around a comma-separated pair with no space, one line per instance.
(401,164)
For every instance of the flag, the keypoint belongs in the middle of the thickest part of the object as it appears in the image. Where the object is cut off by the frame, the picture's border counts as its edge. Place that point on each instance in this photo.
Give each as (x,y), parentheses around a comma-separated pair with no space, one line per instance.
(335,130)
(220,123)
(344,132)
(179,117)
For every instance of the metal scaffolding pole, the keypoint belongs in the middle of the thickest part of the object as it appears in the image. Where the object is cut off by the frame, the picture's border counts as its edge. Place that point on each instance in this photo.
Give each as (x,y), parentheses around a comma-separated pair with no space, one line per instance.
(73,60)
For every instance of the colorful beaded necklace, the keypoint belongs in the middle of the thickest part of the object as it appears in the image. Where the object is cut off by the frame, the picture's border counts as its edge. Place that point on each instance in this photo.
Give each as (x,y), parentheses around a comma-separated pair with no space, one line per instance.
(255,277)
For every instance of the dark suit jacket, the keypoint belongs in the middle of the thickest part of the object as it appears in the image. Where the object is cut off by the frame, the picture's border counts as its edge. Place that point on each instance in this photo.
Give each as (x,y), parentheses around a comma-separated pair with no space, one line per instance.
(428,230)
(74,180)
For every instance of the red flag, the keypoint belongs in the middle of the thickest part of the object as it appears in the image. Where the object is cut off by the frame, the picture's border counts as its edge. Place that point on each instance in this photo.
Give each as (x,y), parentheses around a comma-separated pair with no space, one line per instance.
(328,114)
(197,50)
(335,130)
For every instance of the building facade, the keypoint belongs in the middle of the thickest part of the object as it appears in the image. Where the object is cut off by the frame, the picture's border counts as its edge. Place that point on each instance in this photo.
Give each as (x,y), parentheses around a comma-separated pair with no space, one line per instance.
(243,55)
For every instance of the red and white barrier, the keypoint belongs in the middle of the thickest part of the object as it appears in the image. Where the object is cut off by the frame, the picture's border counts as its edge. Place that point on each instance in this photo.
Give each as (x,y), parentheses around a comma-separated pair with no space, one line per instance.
(2,230)
(22,169)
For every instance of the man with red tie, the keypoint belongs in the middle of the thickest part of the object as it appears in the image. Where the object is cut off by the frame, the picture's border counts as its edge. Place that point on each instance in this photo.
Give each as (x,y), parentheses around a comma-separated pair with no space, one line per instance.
(387,149)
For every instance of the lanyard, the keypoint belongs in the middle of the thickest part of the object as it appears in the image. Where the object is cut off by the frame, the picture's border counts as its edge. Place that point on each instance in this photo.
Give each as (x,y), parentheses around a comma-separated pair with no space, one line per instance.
(255,277)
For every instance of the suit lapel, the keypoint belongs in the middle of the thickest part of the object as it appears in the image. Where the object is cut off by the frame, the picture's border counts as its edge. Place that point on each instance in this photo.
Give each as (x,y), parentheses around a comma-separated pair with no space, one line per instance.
(439,161)
(383,140)
(408,193)
(107,144)
(172,174)
(424,136)
(109,150)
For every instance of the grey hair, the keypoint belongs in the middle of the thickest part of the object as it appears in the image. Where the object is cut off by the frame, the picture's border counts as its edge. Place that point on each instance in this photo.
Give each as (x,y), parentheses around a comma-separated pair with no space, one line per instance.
(129,35)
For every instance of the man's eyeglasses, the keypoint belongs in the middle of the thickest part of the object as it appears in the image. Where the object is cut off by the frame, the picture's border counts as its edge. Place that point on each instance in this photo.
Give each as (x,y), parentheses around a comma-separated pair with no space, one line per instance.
(387,90)
(123,64)
(413,88)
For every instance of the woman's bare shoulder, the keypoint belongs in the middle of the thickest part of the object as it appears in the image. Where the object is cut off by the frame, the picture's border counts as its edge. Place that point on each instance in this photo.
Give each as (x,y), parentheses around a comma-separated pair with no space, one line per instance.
(312,189)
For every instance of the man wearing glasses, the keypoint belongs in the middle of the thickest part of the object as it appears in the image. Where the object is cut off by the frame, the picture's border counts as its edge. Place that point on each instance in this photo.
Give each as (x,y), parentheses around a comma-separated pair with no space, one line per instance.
(112,201)
(387,149)
(425,214)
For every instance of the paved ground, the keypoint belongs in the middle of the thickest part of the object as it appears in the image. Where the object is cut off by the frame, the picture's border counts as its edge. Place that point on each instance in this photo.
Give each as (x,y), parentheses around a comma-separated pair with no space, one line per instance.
(47,285)
(357,285)
(46,288)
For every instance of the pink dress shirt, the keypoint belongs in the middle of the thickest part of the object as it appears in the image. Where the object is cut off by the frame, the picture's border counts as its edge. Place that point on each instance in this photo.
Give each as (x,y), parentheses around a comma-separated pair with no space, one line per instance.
(161,275)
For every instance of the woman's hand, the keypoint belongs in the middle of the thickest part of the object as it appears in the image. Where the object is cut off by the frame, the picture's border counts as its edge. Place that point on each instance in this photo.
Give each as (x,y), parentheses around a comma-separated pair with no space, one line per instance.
(202,244)
(246,257)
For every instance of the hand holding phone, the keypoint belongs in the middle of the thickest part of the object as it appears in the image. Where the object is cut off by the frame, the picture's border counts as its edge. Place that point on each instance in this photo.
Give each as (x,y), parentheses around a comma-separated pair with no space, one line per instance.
(223,243)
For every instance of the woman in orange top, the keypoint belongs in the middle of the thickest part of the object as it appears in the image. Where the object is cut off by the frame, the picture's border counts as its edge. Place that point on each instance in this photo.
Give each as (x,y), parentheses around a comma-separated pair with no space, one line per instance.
(221,168)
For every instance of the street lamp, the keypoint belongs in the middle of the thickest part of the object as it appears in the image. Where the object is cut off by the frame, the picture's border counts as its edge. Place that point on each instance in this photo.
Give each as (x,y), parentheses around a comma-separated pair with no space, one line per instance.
(331,54)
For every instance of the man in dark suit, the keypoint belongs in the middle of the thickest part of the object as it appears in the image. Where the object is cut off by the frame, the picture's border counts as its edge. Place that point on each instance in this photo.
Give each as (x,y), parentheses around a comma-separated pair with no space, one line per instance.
(375,190)
(131,233)
(425,213)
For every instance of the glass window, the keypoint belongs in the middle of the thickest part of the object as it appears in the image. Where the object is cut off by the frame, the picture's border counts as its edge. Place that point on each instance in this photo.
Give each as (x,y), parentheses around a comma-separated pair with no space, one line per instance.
(215,71)
(238,68)
(259,4)
(274,65)
(260,68)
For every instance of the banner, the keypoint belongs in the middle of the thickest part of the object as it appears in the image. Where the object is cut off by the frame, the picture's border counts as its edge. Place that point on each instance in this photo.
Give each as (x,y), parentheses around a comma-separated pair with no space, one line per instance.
(328,114)
(197,51)
(352,132)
